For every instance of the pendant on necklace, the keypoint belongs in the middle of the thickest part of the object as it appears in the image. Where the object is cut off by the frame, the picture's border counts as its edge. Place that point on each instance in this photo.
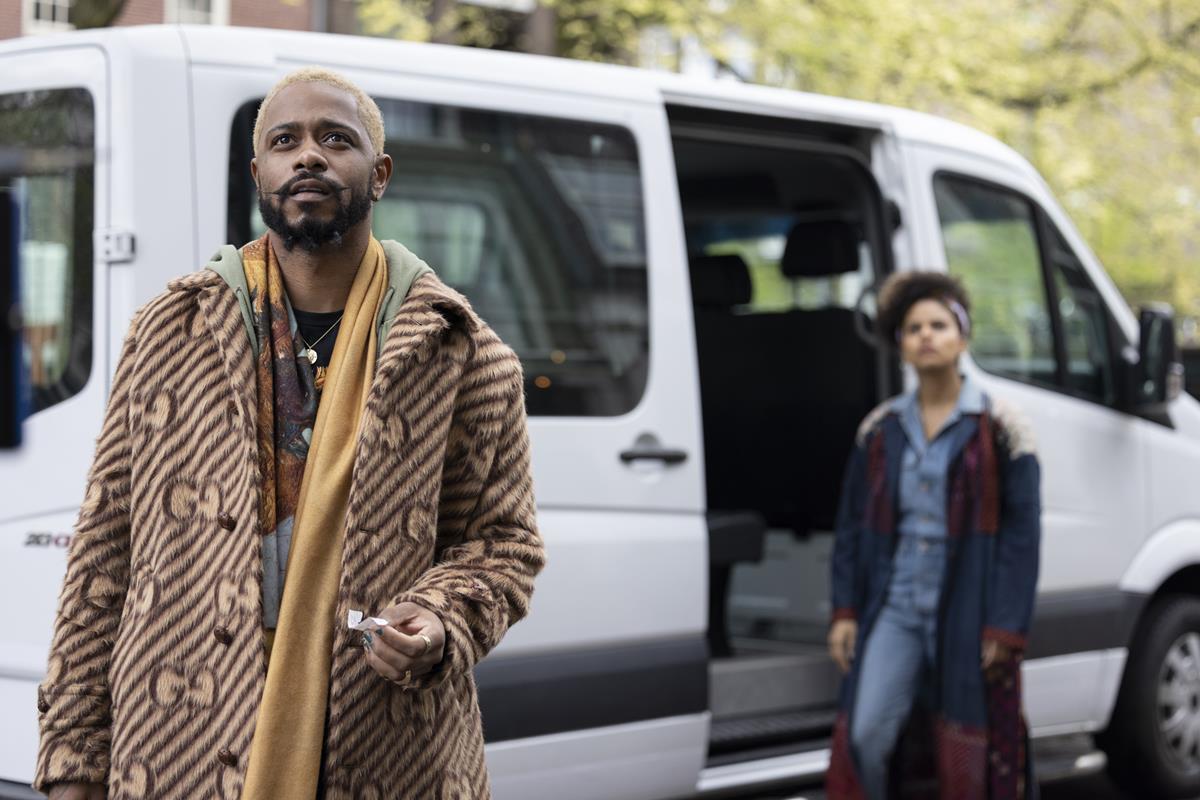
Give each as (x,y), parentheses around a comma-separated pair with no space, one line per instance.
(310,354)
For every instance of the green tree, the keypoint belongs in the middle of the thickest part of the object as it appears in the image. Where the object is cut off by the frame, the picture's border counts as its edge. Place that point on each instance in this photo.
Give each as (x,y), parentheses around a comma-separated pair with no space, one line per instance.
(1102,96)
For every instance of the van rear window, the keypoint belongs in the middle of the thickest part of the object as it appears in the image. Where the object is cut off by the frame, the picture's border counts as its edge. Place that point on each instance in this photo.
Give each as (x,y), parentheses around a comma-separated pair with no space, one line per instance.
(538,221)
(47,148)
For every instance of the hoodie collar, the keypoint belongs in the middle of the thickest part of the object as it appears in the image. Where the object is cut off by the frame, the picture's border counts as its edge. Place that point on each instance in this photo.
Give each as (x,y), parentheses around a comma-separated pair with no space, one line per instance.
(404,269)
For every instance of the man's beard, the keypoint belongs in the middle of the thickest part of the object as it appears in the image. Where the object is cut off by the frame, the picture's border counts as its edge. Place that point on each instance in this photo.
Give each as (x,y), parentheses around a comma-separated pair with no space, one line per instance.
(312,234)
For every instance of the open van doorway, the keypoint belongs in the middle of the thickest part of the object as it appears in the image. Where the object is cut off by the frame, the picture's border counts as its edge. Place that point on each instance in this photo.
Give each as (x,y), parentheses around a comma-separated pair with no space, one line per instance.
(786,239)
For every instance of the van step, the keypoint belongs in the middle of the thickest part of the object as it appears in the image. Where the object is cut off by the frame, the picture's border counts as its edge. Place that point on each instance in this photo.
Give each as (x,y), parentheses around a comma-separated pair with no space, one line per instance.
(738,734)
(755,685)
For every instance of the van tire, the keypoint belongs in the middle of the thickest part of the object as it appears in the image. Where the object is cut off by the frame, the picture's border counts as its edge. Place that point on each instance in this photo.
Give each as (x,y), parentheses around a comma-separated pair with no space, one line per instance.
(1141,759)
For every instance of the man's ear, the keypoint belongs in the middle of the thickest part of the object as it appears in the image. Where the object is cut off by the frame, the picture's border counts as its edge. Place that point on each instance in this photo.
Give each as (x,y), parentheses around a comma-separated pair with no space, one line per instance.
(381,175)
(254,170)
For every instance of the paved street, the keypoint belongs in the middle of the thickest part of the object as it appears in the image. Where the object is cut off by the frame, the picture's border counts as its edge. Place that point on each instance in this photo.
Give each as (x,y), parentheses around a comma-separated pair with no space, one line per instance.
(1092,787)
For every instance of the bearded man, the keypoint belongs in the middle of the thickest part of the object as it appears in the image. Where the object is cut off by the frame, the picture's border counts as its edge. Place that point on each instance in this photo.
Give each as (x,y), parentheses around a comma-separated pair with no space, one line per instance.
(310,512)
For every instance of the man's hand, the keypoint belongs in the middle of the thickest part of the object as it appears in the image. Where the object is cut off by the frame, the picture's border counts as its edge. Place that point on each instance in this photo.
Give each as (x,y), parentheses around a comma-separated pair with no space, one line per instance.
(993,654)
(411,646)
(842,635)
(78,791)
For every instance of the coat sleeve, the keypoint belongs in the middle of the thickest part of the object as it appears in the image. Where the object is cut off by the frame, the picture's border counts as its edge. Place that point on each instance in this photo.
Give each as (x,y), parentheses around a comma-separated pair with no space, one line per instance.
(73,700)
(1012,588)
(844,563)
(481,585)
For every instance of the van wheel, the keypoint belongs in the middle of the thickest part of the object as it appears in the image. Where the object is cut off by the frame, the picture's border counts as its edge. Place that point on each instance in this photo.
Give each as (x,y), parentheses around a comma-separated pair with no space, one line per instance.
(1153,741)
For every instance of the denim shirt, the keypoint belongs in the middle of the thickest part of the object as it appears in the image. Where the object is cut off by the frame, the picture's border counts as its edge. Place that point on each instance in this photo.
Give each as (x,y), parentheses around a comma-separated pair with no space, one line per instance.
(920,560)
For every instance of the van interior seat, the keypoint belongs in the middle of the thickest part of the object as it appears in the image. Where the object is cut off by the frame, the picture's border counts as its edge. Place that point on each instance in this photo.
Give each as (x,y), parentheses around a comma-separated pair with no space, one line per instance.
(834,386)
(782,393)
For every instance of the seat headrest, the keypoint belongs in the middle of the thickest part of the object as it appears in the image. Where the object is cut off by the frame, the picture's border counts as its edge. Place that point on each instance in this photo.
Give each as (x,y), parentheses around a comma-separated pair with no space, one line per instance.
(720,281)
(820,248)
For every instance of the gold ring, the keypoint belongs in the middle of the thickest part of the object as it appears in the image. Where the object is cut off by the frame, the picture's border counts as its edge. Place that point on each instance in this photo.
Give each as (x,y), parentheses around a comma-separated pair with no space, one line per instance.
(428,643)
(407,676)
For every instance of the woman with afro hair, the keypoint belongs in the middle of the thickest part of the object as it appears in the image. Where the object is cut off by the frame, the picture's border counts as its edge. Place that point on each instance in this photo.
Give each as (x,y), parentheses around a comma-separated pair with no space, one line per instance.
(934,572)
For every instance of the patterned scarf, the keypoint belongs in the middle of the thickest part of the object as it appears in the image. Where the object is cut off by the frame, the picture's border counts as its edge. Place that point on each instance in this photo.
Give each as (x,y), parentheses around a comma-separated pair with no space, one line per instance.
(288,394)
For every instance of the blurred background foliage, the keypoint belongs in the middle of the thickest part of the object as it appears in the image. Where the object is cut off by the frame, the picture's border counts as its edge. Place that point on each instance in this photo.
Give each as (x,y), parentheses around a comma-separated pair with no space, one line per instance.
(1103,96)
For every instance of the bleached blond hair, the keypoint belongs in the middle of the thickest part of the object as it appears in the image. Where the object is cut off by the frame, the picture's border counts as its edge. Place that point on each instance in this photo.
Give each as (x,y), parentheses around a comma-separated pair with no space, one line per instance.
(368,110)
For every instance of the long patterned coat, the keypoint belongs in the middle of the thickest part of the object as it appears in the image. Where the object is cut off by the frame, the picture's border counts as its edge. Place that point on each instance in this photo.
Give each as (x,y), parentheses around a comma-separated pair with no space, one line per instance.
(974,739)
(156,669)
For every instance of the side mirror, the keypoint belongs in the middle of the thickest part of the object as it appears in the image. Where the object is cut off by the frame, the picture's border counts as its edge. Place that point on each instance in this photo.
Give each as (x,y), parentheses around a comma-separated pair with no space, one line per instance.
(1159,372)
(12,383)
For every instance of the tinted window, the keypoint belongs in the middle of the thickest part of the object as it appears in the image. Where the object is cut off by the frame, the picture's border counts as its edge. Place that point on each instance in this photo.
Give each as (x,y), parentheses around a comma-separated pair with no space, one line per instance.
(537,221)
(1089,369)
(991,243)
(47,146)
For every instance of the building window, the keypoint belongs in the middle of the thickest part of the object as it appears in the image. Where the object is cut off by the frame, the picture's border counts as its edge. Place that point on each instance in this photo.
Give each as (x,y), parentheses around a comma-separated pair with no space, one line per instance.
(196,12)
(46,16)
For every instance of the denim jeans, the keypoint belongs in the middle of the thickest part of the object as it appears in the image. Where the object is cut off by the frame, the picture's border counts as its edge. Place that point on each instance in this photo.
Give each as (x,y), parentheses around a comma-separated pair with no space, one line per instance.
(900,650)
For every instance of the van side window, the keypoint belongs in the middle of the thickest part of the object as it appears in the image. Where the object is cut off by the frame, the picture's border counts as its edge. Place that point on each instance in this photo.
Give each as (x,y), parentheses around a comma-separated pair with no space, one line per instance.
(50,136)
(991,242)
(538,221)
(1089,369)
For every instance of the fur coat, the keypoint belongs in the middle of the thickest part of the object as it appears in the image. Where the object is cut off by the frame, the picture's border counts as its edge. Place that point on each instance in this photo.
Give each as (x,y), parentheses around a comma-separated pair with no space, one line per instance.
(156,669)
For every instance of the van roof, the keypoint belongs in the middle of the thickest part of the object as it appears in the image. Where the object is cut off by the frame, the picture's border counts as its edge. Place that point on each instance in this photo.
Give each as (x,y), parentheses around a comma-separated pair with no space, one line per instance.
(279,51)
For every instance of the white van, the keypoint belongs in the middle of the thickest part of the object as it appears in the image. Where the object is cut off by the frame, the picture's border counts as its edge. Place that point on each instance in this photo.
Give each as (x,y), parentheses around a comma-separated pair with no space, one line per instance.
(685,269)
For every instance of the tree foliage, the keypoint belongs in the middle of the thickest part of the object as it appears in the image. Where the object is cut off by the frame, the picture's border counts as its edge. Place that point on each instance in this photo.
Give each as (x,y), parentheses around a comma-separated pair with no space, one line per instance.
(1103,96)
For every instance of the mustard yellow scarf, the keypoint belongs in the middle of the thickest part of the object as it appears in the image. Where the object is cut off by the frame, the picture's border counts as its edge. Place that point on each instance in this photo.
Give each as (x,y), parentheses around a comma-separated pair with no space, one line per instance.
(285,757)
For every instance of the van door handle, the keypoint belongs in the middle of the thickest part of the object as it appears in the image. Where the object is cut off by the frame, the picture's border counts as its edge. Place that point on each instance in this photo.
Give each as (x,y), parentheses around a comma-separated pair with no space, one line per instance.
(647,448)
(664,454)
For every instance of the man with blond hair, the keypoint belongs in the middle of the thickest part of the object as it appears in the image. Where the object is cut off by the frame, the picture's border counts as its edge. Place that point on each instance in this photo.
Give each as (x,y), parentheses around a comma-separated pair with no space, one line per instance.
(310,512)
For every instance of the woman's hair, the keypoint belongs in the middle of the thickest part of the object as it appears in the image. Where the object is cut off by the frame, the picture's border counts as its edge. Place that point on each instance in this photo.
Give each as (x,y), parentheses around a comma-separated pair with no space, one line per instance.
(903,290)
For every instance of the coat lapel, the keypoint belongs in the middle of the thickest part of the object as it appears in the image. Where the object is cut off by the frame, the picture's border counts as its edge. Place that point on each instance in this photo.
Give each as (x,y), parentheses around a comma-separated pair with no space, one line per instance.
(219,319)
(427,313)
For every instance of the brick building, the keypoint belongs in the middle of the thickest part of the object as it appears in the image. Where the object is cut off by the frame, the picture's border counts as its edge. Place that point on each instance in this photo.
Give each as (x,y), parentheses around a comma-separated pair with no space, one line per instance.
(24,17)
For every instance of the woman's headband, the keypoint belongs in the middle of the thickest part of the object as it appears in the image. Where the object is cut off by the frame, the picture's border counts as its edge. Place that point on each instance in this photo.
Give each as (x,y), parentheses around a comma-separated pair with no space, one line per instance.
(955,308)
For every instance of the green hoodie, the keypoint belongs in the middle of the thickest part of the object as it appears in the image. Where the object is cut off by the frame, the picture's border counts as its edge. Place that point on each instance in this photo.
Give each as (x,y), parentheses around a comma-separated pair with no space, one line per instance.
(403,270)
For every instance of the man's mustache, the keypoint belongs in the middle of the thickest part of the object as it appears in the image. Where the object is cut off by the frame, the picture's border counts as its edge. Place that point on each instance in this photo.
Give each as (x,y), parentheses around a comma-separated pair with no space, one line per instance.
(286,189)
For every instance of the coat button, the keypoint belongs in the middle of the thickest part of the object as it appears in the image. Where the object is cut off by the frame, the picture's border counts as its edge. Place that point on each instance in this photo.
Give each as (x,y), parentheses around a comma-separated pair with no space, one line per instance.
(223,635)
(226,521)
(43,706)
(226,757)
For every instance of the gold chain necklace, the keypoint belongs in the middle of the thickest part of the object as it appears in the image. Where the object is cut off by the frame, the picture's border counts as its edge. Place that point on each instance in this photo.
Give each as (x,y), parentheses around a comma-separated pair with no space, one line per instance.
(308,351)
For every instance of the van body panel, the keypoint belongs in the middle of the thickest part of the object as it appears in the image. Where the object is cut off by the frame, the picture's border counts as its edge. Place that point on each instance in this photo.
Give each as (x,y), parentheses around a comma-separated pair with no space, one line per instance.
(613,578)
(19,733)
(284,51)
(1050,694)
(1173,547)
(623,762)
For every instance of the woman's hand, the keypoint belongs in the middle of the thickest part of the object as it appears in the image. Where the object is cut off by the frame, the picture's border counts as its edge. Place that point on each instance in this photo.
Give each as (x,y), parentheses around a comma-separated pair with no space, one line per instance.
(993,654)
(842,635)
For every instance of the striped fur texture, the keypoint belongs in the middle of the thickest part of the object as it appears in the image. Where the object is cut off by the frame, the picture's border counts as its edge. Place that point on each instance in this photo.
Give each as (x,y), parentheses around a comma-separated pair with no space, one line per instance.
(156,668)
